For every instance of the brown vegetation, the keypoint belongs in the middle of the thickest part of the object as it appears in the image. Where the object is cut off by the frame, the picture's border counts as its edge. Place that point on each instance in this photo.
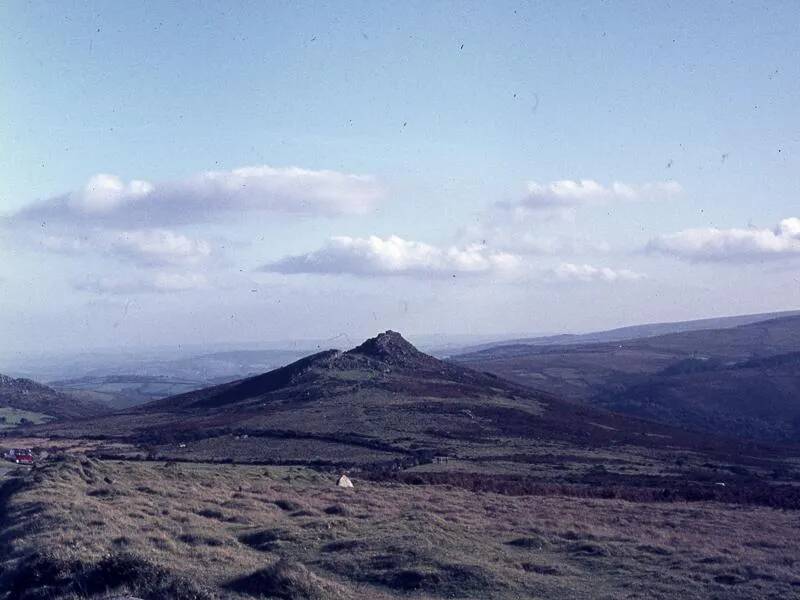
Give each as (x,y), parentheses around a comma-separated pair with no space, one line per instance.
(204,531)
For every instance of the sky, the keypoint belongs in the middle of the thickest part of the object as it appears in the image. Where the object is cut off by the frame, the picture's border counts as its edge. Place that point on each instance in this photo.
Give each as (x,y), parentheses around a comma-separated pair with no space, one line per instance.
(197,173)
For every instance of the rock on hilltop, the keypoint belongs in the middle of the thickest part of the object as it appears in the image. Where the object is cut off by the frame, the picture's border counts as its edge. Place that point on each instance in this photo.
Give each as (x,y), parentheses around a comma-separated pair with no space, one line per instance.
(382,400)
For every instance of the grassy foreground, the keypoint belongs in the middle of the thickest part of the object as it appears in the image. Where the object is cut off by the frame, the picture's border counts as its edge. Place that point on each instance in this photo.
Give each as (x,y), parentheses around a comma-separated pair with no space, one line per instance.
(81,528)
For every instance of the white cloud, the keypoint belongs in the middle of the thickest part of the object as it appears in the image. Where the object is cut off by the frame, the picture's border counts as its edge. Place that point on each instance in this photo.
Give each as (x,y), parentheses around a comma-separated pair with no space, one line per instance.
(712,244)
(106,193)
(159,282)
(568,272)
(108,200)
(564,196)
(159,246)
(144,246)
(178,282)
(395,256)
(66,245)
(556,245)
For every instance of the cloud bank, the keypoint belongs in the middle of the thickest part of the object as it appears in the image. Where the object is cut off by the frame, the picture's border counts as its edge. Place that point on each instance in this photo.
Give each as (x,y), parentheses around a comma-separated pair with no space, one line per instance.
(159,246)
(158,282)
(731,245)
(376,256)
(568,272)
(147,247)
(567,195)
(517,238)
(110,201)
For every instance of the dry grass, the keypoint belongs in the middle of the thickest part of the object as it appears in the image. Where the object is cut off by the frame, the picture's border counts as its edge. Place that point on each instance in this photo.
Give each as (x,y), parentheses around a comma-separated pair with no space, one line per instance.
(213,531)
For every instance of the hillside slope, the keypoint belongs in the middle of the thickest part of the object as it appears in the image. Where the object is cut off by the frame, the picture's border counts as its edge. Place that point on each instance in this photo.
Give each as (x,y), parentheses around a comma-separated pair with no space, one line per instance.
(384,394)
(27,395)
(647,377)
(125,391)
(385,405)
(631,332)
(758,398)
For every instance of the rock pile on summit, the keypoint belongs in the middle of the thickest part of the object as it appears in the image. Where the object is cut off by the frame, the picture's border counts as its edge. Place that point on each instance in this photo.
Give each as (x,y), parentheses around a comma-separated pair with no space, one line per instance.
(390,347)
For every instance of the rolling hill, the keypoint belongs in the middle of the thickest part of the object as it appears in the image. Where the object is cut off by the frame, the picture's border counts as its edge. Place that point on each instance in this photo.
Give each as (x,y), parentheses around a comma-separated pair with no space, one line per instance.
(735,381)
(385,407)
(382,399)
(41,402)
(758,398)
(197,492)
(125,391)
(630,332)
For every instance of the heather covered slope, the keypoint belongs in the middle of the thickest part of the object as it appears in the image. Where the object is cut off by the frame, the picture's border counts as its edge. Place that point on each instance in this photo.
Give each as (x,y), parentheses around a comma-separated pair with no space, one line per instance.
(379,401)
(385,407)
(631,332)
(758,398)
(29,396)
(563,500)
(735,381)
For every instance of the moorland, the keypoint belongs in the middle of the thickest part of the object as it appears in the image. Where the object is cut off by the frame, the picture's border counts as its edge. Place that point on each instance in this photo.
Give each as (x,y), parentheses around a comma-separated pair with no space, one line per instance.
(466,485)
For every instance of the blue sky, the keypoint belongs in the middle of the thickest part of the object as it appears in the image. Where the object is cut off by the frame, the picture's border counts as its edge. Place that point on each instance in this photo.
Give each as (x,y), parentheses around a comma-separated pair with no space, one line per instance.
(458,118)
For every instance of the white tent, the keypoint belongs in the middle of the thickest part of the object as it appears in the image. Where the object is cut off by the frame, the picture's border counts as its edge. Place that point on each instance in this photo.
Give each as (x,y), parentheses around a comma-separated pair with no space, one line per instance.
(344,481)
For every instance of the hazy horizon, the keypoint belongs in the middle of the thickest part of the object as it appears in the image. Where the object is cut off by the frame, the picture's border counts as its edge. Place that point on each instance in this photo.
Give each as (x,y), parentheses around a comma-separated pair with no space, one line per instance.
(36,363)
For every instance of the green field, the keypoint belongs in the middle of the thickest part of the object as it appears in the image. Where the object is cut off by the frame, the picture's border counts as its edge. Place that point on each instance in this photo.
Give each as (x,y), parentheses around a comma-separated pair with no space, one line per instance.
(11,417)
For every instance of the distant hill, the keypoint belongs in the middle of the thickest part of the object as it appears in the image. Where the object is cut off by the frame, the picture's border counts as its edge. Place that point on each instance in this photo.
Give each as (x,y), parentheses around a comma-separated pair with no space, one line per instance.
(204,368)
(758,398)
(126,391)
(31,397)
(718,380)
(630,332)
(380,402)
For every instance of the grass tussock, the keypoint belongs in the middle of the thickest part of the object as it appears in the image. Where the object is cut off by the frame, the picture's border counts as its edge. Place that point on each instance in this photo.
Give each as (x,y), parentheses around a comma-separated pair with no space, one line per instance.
(529,542)
(45,576)
(287,580)
(222,532)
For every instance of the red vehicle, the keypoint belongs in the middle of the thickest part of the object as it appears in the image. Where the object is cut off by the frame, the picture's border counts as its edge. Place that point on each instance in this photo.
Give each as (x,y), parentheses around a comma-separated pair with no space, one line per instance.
(20,456)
